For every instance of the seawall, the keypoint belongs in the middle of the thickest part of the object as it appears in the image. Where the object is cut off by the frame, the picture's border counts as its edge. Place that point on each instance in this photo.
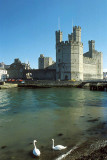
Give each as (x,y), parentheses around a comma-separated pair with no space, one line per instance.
(98,86)
(48,84)
(8,85)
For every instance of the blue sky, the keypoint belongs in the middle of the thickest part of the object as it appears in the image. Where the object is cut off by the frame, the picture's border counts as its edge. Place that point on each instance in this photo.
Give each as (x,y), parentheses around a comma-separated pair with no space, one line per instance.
(27,27)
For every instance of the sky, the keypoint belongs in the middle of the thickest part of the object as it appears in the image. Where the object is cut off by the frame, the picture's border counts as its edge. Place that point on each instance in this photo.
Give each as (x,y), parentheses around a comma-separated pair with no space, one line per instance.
(27,27)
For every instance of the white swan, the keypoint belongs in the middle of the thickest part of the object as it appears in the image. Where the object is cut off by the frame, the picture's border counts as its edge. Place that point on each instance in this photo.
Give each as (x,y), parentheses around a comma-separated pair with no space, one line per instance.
(58,147)
(36,151)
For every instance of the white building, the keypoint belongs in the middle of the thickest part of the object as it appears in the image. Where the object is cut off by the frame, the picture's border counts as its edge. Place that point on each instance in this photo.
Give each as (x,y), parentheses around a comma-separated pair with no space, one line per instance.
(3,74)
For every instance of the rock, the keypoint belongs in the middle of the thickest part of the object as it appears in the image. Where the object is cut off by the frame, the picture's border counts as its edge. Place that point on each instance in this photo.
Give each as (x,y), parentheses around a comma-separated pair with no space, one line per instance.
(82,116)
(60,134)
(3,147)
(93,120)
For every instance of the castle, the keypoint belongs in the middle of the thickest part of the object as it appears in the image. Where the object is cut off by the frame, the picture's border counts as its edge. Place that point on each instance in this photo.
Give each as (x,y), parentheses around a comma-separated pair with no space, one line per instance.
(71,63)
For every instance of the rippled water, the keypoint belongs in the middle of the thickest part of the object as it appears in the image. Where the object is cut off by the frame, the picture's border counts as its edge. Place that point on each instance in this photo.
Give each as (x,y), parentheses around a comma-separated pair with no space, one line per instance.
(64,114)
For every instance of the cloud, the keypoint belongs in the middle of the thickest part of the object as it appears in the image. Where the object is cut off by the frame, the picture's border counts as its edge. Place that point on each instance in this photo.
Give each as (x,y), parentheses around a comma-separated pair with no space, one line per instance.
(104,70)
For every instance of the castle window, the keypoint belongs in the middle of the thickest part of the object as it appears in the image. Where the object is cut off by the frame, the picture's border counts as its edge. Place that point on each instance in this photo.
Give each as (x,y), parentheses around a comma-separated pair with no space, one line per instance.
(66,77)
(21,70)
(59,60)
(58,50)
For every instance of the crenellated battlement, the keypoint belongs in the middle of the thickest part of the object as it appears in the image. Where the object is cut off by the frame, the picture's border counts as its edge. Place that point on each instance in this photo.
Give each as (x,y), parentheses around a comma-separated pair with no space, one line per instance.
(58,36)
(77,27)
(88,60)
(76,43)
(58,31)
(63,43)
(74,37)
(91,41)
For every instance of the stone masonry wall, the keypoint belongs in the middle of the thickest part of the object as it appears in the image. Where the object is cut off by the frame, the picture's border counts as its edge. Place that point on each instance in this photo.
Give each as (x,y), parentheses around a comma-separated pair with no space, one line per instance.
(63,61)
(93,67)
(42,74)
(77,61)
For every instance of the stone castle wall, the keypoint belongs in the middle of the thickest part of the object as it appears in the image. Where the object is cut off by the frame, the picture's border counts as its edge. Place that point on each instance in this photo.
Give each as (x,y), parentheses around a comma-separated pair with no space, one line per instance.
(71,63)
(63,61)
(93,67)
(77,61)
(41,74)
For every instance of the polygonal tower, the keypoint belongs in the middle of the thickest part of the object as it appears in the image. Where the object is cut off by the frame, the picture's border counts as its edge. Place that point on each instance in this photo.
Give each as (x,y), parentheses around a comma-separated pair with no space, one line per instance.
(69,56)
(76,55)
(77,33)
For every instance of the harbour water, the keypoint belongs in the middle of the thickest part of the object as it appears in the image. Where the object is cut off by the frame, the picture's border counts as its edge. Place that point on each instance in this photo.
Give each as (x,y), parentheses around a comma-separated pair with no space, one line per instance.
(65,114)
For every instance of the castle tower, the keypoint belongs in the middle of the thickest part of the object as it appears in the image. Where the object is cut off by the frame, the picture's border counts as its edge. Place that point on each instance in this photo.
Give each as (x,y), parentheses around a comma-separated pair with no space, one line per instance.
(44,62)
(41,61)
(63,58)
(76,54)
(77,33)
(58,36)
(58,53)
(69,56)
(91,47)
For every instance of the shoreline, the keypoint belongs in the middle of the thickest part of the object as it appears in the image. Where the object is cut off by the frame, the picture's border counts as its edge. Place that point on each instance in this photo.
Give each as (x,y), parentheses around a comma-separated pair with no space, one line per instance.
(40,84)
(93,85)
(49,84)
(94,148)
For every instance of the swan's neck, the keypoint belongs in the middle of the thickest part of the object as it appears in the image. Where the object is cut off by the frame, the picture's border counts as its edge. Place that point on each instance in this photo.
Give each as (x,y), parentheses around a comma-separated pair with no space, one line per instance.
(34,144)
(53,144)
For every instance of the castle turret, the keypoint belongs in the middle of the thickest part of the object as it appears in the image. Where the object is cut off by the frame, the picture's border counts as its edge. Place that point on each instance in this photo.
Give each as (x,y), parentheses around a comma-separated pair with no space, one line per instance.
(58,36)
(77,33)
(70,37)
(91,47)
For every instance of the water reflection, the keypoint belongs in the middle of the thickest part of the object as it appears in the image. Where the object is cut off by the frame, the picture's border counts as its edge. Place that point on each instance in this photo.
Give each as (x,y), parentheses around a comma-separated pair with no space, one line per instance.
(4,100)
(44,114)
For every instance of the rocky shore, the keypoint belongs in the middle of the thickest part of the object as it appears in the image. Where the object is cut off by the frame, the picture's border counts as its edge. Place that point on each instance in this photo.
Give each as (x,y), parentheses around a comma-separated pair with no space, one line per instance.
(94,148)
(97,150)
(100,154)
